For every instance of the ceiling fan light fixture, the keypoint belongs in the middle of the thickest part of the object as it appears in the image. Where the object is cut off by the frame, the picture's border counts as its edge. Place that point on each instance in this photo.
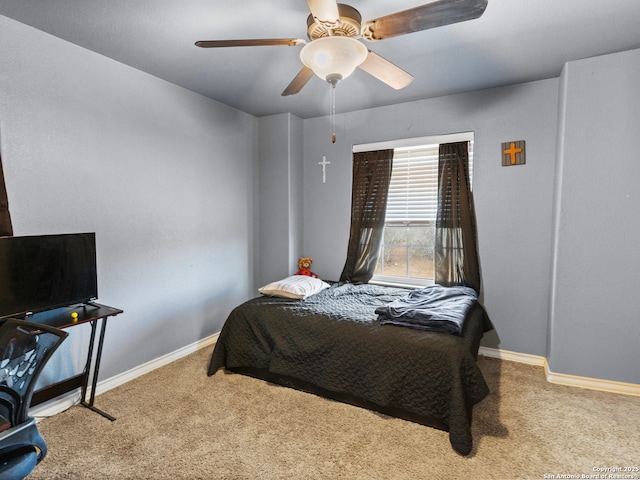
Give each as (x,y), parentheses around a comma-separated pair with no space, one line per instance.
(333,58)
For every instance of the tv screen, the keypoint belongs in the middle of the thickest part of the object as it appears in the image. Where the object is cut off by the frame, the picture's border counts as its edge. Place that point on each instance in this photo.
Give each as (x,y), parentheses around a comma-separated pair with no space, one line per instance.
(46,271)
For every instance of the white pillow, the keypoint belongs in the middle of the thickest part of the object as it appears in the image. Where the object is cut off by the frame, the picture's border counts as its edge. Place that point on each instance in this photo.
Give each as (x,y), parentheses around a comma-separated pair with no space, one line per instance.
(295,286)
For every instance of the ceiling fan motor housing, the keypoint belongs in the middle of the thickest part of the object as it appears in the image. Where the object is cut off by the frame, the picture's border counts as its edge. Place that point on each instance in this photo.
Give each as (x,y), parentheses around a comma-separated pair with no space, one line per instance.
(348,25)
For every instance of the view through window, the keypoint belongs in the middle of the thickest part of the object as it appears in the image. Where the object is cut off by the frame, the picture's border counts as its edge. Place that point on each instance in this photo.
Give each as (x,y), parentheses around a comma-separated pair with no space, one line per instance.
(407,250)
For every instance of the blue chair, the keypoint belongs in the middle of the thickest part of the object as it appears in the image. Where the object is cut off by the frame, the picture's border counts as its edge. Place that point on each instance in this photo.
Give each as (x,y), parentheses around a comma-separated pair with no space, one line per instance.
(25,347)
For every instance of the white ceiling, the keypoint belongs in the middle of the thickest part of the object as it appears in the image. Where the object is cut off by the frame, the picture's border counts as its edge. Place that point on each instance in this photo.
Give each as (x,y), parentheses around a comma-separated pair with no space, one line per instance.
(514,41)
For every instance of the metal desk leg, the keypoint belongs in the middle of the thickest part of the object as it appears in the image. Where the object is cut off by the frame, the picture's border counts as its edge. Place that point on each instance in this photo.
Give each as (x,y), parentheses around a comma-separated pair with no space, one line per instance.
(87,367)
(94,380)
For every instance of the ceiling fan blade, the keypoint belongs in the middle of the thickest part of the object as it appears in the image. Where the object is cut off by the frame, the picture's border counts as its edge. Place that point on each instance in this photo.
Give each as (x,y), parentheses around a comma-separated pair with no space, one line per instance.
(292,42)
(431,15)
(298,82)
(385,71)
(324,11)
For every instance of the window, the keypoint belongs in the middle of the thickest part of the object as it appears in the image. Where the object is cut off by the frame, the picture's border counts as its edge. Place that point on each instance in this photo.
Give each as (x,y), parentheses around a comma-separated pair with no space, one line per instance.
(407,251)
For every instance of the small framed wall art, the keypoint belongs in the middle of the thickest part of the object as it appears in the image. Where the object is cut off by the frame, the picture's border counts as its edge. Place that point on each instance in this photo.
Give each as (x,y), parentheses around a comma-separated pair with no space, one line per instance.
(513,153)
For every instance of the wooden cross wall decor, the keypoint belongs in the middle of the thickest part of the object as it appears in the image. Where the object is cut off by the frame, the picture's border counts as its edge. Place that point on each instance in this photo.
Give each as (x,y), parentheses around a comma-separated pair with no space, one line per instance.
(513,153)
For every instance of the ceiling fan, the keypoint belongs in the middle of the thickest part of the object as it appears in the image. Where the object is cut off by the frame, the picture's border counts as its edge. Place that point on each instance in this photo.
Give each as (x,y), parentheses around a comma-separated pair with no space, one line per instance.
(334,51)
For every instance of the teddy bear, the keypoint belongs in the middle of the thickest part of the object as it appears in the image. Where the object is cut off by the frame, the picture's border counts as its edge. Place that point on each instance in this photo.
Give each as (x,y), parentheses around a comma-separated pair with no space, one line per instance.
(304,264)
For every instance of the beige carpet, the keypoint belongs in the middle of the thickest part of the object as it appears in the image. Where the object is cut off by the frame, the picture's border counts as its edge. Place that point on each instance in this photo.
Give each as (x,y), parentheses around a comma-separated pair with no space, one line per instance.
(177,423)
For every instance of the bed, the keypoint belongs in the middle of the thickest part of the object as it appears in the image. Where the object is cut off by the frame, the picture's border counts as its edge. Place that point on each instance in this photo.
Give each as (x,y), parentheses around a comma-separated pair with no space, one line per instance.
(333,344)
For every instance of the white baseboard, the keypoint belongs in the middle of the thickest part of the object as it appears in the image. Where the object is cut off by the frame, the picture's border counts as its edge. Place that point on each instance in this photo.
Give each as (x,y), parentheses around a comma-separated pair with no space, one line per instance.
(562,378)
(513,356)
(70,399)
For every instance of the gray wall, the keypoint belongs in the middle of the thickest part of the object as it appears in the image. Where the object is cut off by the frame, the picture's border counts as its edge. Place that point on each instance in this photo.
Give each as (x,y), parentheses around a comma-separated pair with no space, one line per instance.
(556,236)
(162,175)
(513,204)
(280,196)
(594,320)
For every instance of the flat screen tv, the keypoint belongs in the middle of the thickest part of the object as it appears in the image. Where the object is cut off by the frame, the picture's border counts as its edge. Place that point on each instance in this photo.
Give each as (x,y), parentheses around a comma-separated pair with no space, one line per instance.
(43,272)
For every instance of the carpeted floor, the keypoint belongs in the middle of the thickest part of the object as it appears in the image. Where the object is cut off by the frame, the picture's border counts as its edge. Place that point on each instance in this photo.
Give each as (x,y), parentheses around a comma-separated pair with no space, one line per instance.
(177,423)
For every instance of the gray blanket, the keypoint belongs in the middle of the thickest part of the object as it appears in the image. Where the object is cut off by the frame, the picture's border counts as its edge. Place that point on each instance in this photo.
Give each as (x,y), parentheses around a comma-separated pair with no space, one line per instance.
(435,308)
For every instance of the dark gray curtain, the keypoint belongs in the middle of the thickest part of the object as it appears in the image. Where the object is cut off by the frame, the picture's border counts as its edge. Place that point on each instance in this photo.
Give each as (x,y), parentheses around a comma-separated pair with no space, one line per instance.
(5,219)
(371,177)
(456,251)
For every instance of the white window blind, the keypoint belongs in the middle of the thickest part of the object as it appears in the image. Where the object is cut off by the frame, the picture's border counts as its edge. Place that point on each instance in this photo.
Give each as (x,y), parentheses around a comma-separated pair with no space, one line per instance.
(413,190)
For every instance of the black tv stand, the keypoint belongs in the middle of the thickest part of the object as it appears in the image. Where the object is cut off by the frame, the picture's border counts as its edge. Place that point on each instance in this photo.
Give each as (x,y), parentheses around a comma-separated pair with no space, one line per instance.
(63,318)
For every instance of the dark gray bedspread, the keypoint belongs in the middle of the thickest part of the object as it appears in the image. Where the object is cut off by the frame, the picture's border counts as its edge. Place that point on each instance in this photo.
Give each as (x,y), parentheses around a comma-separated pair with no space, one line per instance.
(333,340)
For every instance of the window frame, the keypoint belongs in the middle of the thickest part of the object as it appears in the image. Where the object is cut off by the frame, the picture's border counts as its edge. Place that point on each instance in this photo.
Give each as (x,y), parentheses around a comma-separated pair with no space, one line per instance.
(415,143)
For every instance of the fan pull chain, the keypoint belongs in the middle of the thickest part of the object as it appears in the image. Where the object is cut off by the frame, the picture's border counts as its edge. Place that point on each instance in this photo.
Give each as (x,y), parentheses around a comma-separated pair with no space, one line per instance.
(332,115)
